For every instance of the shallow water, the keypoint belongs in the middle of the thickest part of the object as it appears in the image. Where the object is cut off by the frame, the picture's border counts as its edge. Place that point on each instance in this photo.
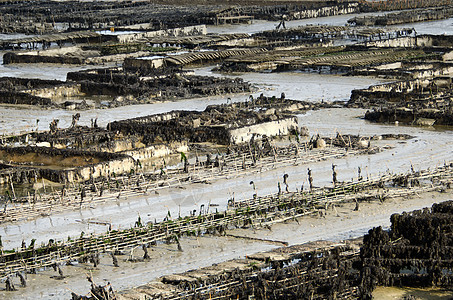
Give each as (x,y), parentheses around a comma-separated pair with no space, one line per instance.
(312,87)
(300,86)
(337,225)
(430,147)
(431,27)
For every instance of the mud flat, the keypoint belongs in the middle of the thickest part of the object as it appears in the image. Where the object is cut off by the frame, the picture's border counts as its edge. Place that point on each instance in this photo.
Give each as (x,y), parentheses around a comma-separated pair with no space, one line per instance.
(140,139)
(225,124)
(258,212)
(147,137)
(296,270)
(88,15)
(53,16)
(196,174)
(315,269)
(238,162)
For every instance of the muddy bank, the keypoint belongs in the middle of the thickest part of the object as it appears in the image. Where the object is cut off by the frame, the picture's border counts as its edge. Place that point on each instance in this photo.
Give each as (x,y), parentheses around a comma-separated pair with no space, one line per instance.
(340,225)
(155,176)
(257,212)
